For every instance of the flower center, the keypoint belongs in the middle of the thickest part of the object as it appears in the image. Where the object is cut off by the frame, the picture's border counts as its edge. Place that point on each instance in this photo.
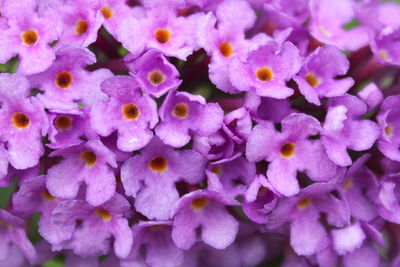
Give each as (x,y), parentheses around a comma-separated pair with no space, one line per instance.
(389,130)
(64,79)
(225,49)
(287,150)
(20,120)
(217,169)
(105,215)
(158,164)
(81,27)
(46,195)
(163,36)
(304,203)
(347,184)
(130,111)
(383,55)
(264,74)
(30,37)
(312,79)
(199,203)
(156,226)
(181,110)
(156,77)
(107,12)
(89,158)
(63,122)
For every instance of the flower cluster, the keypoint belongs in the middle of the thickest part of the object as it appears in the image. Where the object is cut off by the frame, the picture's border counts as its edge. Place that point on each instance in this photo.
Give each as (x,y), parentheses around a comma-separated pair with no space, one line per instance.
(199,133)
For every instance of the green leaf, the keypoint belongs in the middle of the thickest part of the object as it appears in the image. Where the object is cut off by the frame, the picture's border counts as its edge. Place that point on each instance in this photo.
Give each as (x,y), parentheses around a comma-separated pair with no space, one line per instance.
(354,23)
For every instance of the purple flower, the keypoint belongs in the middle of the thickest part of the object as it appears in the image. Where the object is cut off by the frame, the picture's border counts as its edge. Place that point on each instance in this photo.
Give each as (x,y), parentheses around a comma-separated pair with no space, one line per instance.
(23,122)
(290,151)
(205,209)
(153,72)
(227,42)
(216,146)
(114,12)
(371,95)
(91,236)
(81,21)
(360,188)
(172,35)
(307,233)
(150,177)
(328,20)
(387,118)
(235,174)
(183,113)
(129,112)
(66,83)
(343,129)
(266,108)
(317,76)
(90,163)
(267,69)
(28,36)
(259,200)
(385,46)
(69,129)
(388,199)
(155,237)
(287,13)
(33,196)
(12,233)
(238,124)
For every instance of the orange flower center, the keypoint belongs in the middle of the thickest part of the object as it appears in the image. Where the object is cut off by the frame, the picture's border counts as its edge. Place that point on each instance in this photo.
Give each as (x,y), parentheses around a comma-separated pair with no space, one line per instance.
(264,74)
(225,49)
(20,120)
(312,79)
(64,79)
(130,111)
(105,215)
(46,195)
(158,164)
(287,150)
(162,36)
(81,27)
(63,122)
(199,203)
(89,158)
(304,203)
(156,77)
(30,37)
(107,12)
(181,110)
